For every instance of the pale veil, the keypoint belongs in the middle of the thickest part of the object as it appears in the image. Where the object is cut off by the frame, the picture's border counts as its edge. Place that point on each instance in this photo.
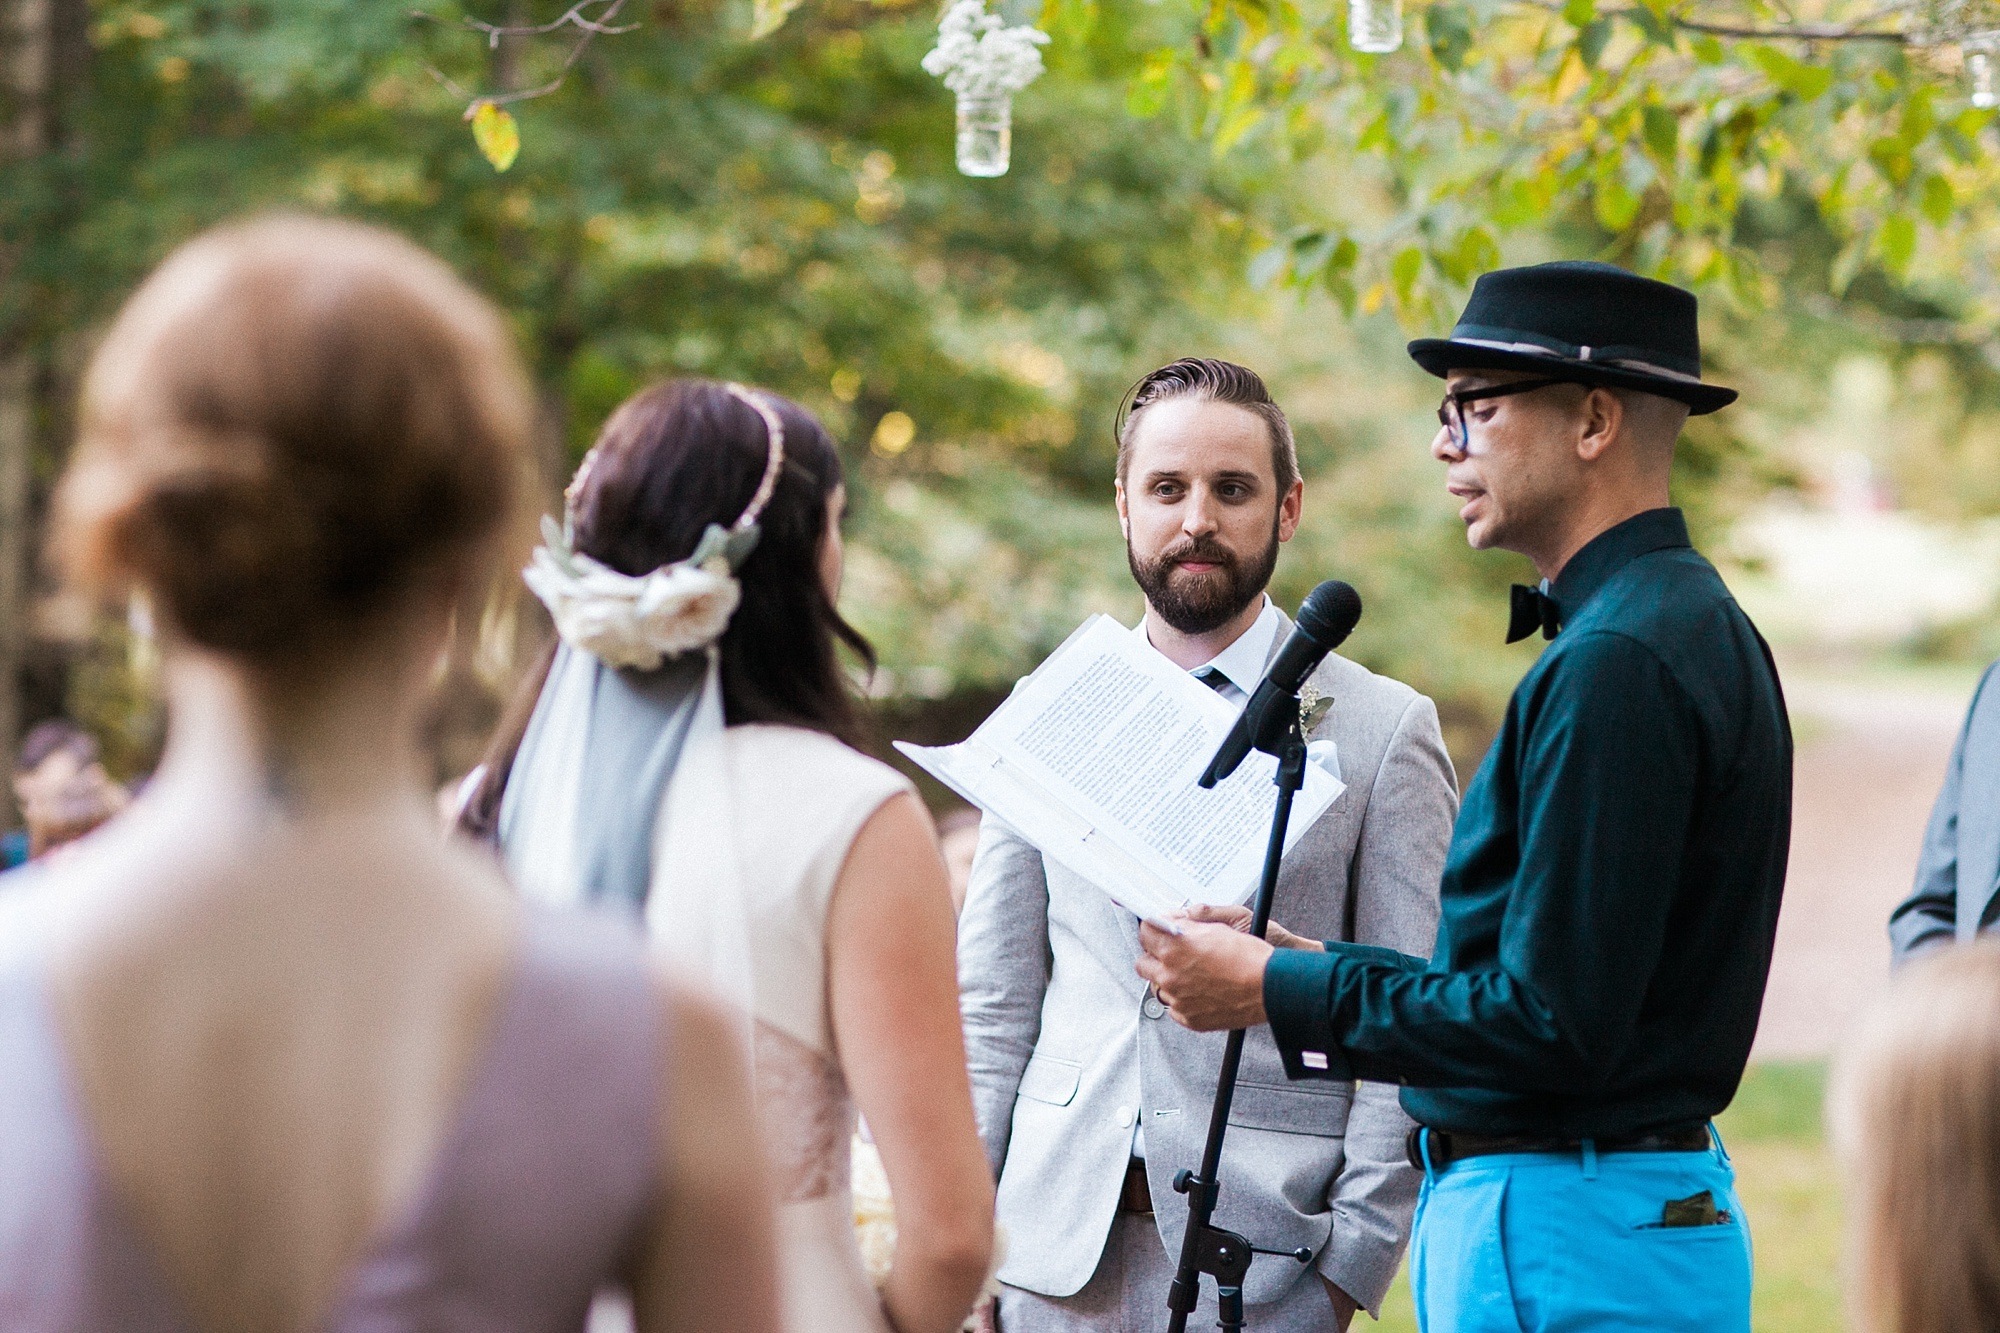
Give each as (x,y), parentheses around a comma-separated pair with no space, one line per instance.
(630,713)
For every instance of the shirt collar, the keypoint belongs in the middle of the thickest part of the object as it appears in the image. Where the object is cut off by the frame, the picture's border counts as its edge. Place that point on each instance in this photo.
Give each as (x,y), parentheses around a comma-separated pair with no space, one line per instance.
(1242,663)
(1610,551)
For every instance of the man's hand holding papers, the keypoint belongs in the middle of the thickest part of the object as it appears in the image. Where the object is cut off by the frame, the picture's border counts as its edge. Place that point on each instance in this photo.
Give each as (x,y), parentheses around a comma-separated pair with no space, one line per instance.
(1094,759)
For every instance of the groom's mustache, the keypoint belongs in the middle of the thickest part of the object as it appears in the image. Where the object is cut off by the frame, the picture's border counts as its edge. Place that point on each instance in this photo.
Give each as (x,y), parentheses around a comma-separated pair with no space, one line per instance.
(1202,549)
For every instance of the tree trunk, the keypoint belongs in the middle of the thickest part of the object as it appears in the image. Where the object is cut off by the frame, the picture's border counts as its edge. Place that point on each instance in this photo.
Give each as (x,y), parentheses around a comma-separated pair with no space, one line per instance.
(26,53)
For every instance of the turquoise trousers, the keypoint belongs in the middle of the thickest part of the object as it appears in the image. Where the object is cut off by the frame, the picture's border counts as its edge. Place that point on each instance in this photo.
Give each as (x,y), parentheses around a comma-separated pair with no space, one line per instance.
(1572,1243)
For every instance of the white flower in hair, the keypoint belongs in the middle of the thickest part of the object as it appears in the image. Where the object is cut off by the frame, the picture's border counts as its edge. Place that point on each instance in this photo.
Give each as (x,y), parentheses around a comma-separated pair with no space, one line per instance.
(627,621)
(624,621)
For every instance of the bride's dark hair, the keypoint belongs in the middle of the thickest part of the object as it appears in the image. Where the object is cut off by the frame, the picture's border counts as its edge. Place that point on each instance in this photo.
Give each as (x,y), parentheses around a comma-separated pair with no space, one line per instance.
(673,459)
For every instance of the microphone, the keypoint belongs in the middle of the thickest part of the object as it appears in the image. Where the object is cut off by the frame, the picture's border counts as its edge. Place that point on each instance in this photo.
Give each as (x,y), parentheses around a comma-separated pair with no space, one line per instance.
(1326,617)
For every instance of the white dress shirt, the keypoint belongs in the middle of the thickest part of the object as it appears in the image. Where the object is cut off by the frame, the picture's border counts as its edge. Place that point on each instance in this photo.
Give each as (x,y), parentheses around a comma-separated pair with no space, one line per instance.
(1241,666)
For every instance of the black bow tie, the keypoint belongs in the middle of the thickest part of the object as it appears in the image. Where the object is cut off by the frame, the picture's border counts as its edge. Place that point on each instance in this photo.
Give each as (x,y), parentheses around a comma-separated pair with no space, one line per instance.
(1533,610)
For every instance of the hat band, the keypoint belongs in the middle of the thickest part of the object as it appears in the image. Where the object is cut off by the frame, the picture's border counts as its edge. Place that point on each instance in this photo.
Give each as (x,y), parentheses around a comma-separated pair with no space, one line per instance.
(1594,356)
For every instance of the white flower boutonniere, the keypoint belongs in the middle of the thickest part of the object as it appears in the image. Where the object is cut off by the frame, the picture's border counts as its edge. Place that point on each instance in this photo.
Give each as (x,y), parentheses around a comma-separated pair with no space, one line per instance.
(1313,707)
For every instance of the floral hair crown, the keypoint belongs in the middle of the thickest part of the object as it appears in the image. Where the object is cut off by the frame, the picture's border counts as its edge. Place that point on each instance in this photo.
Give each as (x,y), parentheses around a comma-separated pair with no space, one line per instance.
(625,621)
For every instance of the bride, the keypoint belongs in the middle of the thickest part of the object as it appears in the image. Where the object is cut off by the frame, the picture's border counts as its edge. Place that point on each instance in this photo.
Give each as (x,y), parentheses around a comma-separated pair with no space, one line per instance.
(686,752)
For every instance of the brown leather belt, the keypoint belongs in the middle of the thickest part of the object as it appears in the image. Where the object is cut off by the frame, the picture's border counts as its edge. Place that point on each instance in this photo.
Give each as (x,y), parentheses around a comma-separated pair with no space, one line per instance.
(1448,1148)
(1137,1196)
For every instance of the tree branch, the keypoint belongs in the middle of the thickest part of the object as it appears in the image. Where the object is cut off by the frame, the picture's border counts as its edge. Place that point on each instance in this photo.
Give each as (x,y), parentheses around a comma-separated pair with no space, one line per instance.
(1859,30)
(577,16)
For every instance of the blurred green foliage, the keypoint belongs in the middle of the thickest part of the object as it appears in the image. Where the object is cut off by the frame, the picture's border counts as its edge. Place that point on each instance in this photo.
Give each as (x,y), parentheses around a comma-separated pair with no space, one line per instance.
(786,212)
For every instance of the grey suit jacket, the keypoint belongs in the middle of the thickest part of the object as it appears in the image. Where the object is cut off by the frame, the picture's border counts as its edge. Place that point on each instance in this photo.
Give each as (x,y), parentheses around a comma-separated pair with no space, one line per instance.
(1959,867)
(1066,1046)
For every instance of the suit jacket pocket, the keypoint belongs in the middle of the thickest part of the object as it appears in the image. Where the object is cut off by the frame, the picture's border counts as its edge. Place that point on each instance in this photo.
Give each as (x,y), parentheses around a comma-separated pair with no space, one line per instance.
(1048,1079)
(1290,1108)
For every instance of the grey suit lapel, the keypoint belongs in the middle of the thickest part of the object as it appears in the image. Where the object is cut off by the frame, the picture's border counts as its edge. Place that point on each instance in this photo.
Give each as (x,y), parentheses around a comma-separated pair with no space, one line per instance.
(1979,817)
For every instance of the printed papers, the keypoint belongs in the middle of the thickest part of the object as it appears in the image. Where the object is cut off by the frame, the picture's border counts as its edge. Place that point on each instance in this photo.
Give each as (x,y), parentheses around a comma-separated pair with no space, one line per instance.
(1094,759)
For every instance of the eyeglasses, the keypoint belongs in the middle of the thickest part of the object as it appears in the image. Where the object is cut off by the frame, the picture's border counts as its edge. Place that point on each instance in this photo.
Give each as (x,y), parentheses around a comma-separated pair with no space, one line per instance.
(1451,412)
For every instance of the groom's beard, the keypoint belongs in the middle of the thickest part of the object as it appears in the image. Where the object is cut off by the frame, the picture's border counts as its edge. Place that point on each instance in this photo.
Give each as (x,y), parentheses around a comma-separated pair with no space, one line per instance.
(1198,603)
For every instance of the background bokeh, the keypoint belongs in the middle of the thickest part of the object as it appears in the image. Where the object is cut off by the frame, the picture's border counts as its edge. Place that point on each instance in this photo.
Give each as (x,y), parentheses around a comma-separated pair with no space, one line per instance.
(1224,180)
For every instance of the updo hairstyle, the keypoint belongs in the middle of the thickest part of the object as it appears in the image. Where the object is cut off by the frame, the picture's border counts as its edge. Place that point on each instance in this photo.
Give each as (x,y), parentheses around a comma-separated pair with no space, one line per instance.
(291,419)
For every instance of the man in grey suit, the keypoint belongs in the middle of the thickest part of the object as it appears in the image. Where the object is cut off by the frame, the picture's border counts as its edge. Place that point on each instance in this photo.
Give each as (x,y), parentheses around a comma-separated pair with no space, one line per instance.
(1090,1098)
(1958,871)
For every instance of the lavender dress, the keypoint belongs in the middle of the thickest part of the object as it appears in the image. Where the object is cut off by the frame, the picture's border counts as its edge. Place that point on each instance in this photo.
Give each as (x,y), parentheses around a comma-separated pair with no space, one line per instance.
(538,1193)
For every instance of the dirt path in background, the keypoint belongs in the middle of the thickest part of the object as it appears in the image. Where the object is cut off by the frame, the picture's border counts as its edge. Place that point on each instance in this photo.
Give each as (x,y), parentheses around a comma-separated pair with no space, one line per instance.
(1870,758)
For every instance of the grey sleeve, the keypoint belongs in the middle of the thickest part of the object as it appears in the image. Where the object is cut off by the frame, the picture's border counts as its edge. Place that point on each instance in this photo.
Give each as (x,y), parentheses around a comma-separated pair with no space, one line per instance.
(1398,863)
(1003,974)
(1929,916)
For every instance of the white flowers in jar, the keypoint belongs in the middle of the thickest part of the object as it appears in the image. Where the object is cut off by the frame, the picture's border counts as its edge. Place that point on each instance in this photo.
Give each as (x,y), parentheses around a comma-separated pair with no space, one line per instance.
(985,62)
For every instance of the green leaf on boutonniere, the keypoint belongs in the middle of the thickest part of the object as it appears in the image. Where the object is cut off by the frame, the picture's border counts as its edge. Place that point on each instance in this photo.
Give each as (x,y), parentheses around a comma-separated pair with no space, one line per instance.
(1313,707)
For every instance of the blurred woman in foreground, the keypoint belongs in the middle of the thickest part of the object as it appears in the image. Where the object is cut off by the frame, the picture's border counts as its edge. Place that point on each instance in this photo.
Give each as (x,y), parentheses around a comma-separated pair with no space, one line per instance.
(1915,1112)
(274,1057)
(685,754)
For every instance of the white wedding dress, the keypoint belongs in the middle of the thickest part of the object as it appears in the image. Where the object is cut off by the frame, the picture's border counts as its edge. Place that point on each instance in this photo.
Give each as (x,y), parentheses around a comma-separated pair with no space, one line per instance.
(756,825)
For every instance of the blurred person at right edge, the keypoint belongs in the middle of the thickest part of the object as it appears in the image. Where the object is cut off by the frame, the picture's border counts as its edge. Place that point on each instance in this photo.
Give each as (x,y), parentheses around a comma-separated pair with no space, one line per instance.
(1957,891)
(277,1057)
(1913,1110)
(1611,897)
(686,754)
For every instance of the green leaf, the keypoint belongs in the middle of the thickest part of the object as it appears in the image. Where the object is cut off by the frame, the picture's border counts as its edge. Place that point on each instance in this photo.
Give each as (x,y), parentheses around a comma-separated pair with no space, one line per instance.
(1938,200)
(1615,204)
(1403,272)
(1234,126)
(497,135)
(1662,132)
(1707,50)
(1897,242)
(1579,14)
(1450,32)
(1846,265)
(1590,43)
(1892,159)
(1806,82)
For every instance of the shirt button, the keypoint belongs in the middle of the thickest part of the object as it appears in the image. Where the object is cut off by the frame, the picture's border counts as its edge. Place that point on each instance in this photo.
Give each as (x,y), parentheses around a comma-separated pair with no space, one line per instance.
(1152,1008)
(1125,1117)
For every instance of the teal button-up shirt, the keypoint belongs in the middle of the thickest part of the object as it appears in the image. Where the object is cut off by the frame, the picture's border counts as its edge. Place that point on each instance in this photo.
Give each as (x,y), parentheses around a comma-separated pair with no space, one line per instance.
(1611,895)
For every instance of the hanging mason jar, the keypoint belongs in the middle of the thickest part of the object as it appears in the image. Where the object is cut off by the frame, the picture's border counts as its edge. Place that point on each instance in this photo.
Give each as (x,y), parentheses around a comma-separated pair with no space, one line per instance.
(985,133)
(984,62)
(1375,26)
(1980,72)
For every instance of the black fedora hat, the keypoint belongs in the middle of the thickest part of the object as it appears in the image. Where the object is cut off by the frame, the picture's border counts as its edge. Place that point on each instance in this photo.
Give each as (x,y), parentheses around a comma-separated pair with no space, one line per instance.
(1587,322)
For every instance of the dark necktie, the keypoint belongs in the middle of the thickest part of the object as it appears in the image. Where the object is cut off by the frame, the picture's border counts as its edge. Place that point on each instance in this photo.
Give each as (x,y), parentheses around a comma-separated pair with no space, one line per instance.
(1533,610)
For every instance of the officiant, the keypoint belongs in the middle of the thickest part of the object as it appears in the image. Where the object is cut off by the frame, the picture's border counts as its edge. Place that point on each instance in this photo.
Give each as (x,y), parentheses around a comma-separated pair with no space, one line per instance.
(1089,1099)
(1612,893)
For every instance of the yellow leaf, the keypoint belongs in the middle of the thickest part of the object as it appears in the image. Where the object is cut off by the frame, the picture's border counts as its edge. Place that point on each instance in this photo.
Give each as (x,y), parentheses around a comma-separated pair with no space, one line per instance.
(767,16)
(1572,77)
(498,135)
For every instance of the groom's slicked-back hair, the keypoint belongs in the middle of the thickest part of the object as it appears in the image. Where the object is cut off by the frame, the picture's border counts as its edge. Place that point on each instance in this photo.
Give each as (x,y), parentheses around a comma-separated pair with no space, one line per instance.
(1207,380)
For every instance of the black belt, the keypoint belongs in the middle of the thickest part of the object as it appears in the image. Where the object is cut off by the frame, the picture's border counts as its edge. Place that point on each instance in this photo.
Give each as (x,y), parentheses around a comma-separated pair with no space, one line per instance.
(1446,1148)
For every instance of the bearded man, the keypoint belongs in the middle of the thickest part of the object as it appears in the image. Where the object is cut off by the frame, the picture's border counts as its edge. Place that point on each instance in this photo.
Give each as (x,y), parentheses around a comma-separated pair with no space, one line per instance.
(1089,1098)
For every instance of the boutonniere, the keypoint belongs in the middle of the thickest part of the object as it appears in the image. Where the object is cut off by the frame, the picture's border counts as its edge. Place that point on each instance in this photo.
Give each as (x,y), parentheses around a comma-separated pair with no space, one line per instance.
(1313,707)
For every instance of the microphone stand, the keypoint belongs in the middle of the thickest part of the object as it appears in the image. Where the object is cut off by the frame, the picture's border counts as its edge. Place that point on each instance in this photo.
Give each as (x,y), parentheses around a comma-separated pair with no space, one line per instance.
(1205,1247)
